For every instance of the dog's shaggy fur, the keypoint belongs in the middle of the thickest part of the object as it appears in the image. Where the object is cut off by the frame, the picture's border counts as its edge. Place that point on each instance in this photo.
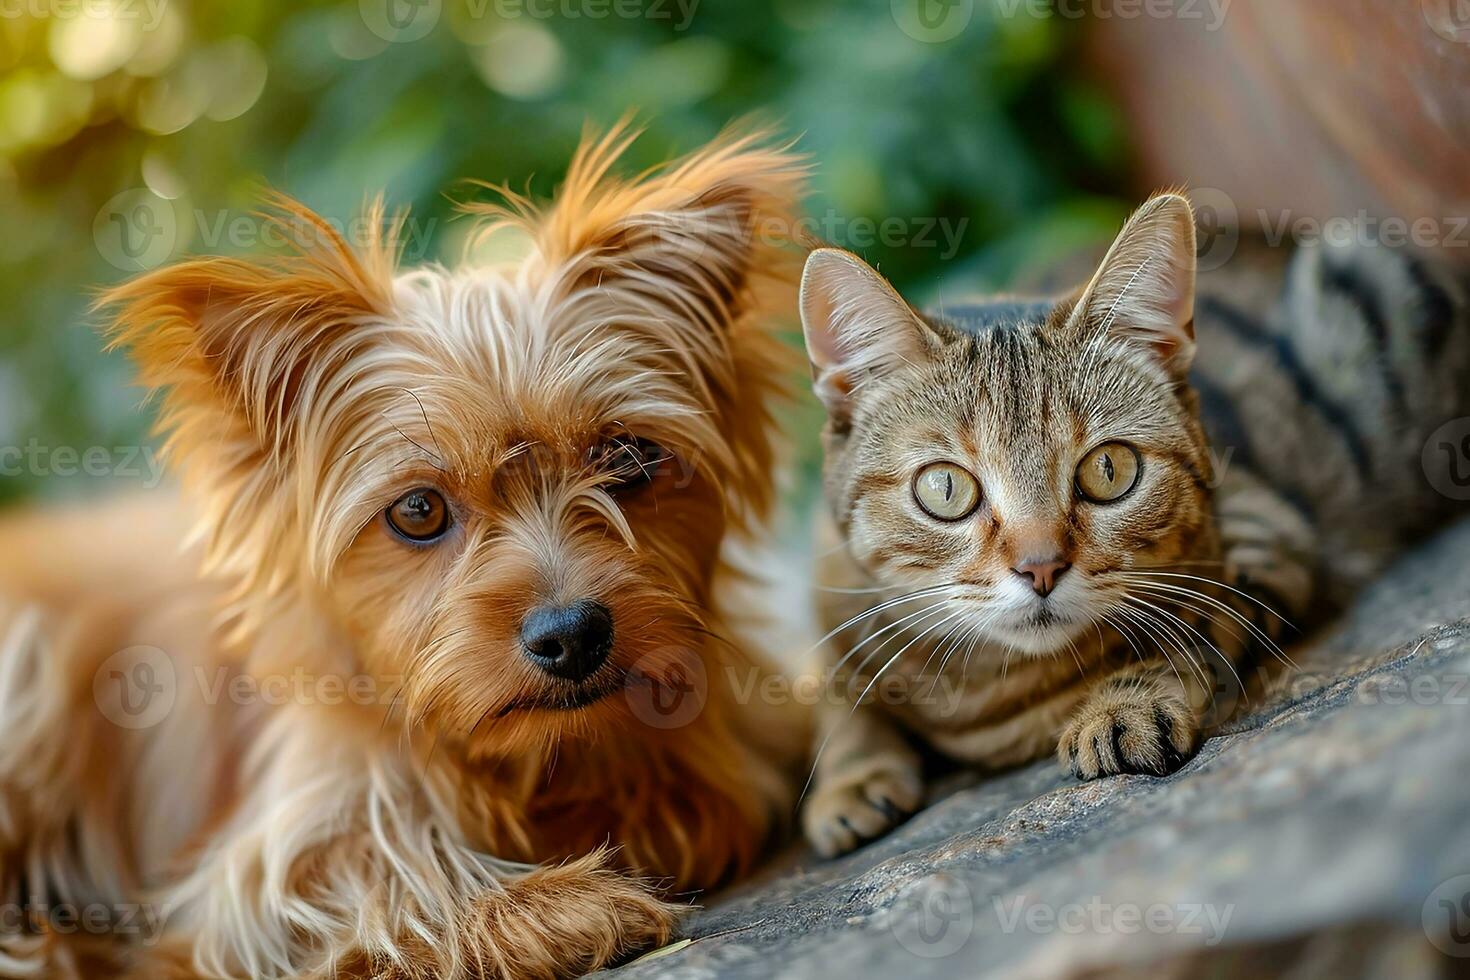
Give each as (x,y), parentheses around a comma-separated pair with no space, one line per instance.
(457,813)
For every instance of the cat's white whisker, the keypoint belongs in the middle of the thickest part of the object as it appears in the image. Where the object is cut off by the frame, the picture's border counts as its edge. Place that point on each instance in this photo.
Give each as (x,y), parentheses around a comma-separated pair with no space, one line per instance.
(881,607)
(1256,631)
(1209,644)
(1217,583)
(909,622)
(904,649)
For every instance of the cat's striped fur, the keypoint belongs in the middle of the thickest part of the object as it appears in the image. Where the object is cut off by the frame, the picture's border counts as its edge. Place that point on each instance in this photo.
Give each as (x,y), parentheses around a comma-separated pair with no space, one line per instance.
(1317,381)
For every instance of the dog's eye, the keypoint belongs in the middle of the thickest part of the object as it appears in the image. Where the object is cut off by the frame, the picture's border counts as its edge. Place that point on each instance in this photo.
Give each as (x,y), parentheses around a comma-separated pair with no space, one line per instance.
(419,515)
(627,463)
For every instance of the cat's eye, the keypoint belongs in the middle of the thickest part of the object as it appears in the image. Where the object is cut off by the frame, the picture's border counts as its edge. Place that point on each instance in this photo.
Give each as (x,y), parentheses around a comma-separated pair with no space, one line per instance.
(629,462)
(420,515)
(946,491)
(1108,472)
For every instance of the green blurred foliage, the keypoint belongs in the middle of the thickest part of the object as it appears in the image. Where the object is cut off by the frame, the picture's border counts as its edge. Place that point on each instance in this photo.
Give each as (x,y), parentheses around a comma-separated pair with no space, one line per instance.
(205,102)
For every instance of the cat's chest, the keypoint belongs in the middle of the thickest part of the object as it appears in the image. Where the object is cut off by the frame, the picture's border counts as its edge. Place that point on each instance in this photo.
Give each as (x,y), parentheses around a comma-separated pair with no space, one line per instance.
(956,682)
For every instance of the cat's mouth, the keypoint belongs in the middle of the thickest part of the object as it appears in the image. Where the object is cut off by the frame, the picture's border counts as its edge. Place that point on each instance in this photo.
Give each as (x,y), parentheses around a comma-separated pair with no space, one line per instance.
(1043,618)
(1042,625)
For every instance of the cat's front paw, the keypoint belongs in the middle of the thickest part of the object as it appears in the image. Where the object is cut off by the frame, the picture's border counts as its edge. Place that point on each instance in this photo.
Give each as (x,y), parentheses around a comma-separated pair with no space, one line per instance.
(852,808)
(1118,730)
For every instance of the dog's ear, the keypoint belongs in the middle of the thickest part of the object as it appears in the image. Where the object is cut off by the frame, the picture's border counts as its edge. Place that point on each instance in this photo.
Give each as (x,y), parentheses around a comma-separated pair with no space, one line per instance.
(691,237)
(242,344)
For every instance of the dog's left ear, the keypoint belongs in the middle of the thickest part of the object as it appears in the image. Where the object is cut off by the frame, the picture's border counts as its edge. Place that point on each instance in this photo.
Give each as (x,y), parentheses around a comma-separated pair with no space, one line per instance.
(691,237)
(240,347)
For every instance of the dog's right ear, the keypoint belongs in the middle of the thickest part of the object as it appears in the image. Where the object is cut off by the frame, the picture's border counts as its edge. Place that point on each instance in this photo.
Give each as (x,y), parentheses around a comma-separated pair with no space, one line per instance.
(707,237)
(240,347)
(856,327)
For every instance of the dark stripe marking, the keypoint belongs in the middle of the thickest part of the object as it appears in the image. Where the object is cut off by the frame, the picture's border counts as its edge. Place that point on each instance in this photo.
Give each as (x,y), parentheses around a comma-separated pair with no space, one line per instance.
(1001,317)
(1357,291)
(1439,311)
(1244,327)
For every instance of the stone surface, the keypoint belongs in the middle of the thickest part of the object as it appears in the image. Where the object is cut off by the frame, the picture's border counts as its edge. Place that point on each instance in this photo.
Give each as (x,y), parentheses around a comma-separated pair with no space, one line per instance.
(1321,833)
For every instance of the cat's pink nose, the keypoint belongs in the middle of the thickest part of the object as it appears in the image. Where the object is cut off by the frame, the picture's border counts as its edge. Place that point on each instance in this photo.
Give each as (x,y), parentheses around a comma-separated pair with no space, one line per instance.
(1042,573)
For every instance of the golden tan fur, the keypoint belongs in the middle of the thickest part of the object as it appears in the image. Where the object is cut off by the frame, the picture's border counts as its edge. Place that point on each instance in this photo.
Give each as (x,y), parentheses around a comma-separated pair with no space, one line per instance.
(470,817)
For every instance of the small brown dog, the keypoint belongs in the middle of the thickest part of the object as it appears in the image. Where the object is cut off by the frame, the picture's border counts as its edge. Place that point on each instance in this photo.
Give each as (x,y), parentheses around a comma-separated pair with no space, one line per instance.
(395,710)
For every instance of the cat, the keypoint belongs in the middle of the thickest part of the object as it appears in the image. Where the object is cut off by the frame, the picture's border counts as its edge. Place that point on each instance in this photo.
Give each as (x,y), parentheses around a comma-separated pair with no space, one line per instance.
(1080,520)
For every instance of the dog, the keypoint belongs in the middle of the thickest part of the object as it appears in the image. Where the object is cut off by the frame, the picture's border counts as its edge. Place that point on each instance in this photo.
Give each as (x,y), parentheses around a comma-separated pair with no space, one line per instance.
(391,686)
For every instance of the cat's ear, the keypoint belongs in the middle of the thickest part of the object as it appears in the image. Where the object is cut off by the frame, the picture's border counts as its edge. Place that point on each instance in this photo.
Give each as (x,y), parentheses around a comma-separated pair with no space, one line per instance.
(1145,286)
(856,326)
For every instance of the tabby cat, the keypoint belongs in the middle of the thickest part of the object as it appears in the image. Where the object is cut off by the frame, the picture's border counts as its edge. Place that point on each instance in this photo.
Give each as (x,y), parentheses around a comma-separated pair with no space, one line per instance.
(1082,518)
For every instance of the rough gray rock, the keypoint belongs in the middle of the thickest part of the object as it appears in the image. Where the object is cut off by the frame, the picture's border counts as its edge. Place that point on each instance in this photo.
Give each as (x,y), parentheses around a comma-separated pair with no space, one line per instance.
(1322,833)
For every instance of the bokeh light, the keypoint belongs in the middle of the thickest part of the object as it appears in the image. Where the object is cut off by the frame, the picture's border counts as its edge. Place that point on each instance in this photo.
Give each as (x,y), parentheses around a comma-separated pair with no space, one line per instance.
(198,105)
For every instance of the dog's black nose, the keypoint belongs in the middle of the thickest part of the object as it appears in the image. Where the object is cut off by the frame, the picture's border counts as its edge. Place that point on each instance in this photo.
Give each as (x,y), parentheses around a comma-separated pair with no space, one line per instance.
(569,642)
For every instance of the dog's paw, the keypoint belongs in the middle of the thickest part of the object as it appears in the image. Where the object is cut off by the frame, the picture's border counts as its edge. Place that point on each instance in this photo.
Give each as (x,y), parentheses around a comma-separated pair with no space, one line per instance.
(571,919)
(1128,731)
(850,809)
